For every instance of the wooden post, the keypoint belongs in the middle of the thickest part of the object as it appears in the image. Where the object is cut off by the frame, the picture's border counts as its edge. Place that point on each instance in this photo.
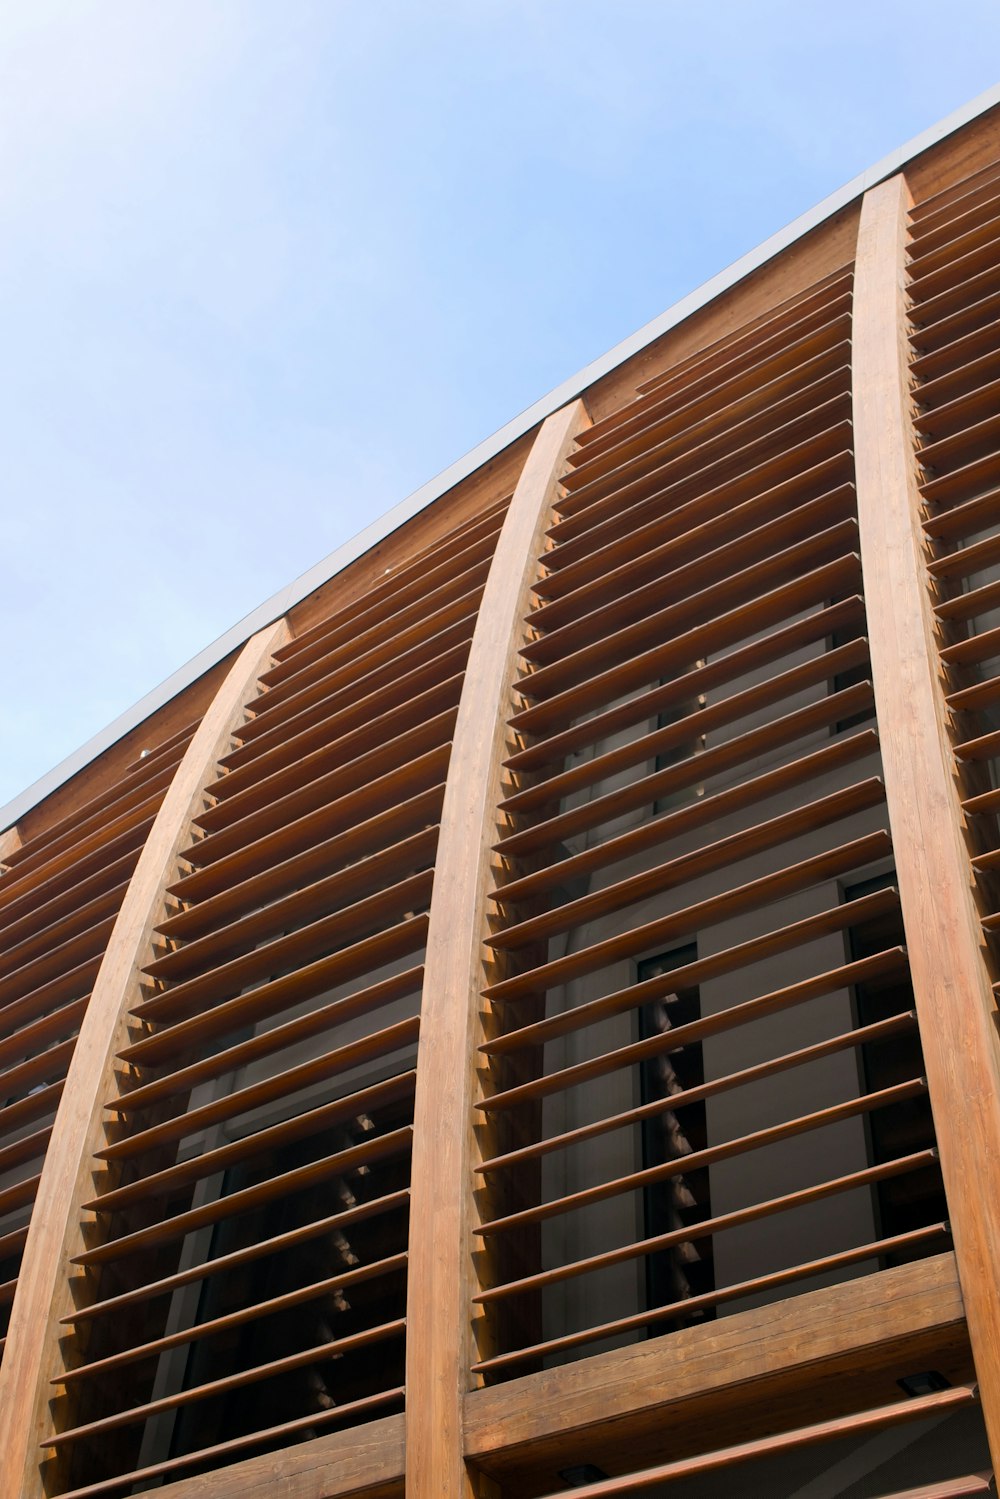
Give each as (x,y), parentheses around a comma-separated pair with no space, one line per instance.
(952,990)
(56,1233)
(439,1352)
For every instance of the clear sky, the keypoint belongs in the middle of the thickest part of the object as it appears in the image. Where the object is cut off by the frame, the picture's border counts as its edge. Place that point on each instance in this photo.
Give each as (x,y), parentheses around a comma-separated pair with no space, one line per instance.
(268,265)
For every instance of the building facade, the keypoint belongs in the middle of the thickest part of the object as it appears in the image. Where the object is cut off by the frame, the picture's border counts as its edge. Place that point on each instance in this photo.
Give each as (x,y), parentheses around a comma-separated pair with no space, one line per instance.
(519,1016)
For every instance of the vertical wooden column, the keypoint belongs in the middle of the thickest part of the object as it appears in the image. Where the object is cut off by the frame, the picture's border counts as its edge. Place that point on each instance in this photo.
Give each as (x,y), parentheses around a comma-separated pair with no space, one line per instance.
(439,1354)
(951,984)
(57,1228)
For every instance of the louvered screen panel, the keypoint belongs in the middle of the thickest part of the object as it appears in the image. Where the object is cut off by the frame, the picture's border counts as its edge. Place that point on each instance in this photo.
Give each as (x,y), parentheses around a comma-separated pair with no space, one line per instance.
(954,279)
(704,1083)
(249,1264)
(59,897)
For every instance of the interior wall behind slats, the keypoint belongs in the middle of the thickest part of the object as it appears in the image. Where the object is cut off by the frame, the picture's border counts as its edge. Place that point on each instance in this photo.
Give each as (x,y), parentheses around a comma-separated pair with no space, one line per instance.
(703,1081)
(60,893)
(245,1285)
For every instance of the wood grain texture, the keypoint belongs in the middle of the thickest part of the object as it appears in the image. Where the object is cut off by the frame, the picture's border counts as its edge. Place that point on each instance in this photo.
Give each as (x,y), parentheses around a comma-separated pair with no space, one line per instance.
(365,1462)
(56,1231)
(950,979)
(439,1351)
(655,1394)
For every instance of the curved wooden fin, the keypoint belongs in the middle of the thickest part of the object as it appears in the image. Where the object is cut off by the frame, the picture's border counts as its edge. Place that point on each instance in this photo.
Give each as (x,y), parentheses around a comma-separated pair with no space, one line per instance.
(439,1351)
(951,982)
(57,1232)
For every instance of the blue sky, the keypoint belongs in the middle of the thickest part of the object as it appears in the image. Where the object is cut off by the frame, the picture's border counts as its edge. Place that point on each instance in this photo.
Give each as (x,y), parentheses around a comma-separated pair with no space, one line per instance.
(265,268)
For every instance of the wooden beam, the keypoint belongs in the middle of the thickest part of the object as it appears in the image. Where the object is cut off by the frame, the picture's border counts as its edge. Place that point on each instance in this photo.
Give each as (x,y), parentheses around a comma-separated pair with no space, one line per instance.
(9,841)
(364,1462)
(951,983)
(808,1357)
(56,1234)
(439,1344)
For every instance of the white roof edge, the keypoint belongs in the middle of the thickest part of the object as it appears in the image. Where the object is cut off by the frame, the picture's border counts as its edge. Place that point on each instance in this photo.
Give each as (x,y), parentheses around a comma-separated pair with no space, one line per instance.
(279,604)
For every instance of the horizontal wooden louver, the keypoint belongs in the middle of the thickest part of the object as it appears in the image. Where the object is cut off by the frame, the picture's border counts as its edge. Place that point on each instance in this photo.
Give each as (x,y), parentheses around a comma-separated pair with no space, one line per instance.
(60,893)
(703,1079)
(755,1466)
(253,1217)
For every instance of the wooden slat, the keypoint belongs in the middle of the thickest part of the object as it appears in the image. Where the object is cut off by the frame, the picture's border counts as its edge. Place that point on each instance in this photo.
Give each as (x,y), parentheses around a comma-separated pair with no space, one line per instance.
(47,905)
(362,957)
(35,951)
(954,419)
(744,341)
(689,685)
(659,490)
(258,1249)
(980,695)
(878,1030)
(676,571)
(781,939)
(787,347)
(283,1085)
(679,429)
(302,1028)
(240,792)
(446,627)
(74,983)
(782,483)
(760,892)
(300,1296)
(969,253)
(361,644)
(731,1018)
(956,451)
(944,361)
(439,1349)
(721,853)
(402,581)
(695,724)
(717,631)
(599,653)
(951,987)
(56,961)
(397,1142)
(651,834)
(757,1284)
(27,1110)
(982,647)
(320,824)
(766,430)
(966,519)
(858,1427)
(390,758)
(636,1181)
(965,606)
(804,447)
(347,714)
(335,1348)
(386,867)
(958,380)
(367,1454)
(721,1223)
(983,747)
(43,852)
(87,854)
(301,1125)
(221,901)
(43,1293)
